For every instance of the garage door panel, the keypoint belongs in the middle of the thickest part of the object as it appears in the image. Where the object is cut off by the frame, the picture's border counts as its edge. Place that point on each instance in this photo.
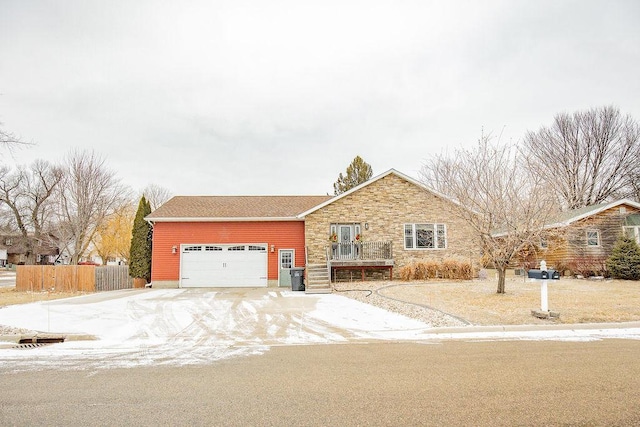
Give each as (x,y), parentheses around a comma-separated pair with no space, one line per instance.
(214,265)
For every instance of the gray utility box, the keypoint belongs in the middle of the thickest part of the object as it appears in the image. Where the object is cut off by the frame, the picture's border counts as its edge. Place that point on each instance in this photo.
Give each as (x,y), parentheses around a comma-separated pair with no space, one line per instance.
(544,274)
(297,279)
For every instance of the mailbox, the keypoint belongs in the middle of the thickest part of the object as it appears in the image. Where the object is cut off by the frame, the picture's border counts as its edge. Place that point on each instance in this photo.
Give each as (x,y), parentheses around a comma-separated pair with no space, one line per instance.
(544,274)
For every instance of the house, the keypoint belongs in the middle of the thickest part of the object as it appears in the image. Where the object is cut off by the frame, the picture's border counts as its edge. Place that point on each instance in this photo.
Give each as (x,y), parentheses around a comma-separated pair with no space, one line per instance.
(387,222)
(581,240)
(16,249)
(391,220)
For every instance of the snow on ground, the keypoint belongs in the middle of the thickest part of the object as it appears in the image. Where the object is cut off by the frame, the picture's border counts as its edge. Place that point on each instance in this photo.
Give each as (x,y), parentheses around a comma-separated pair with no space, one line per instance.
(191,326)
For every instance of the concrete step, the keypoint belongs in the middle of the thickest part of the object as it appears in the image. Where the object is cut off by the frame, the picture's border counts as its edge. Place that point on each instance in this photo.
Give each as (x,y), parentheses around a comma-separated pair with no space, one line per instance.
(318,279)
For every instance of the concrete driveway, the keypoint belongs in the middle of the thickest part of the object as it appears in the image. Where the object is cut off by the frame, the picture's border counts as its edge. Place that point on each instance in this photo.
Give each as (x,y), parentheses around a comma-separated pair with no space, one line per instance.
(190,326)
(154,327)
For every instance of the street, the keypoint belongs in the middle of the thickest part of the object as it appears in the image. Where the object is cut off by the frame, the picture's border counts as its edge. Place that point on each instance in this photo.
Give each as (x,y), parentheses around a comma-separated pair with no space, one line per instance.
(499,383)
(7,279)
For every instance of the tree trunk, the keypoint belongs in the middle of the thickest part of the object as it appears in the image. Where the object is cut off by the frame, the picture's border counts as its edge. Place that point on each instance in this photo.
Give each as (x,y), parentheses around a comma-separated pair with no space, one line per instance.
(502,273)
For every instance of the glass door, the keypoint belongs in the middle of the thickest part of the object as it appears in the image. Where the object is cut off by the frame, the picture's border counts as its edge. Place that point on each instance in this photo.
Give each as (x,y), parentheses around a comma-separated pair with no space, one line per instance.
(286,259)
(345,237)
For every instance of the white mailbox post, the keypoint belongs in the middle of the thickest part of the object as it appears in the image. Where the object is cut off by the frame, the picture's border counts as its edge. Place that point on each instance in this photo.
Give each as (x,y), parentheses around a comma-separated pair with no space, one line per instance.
(544,294)
(544,274)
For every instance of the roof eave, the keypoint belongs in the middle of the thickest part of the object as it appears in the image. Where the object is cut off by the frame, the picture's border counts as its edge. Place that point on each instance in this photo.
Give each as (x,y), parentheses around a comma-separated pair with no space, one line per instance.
(602,209)
(221,219)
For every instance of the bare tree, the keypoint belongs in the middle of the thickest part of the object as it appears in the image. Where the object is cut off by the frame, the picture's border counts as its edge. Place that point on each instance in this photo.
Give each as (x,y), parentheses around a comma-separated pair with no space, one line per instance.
(28,197)
(494,196)
(635,186)
(156,195)
(9,140)
(588,157)
(89,194)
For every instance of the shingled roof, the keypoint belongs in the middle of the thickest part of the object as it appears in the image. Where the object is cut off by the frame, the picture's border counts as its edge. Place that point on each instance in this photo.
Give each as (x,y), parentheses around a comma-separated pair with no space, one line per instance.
(234,208)
(566,218)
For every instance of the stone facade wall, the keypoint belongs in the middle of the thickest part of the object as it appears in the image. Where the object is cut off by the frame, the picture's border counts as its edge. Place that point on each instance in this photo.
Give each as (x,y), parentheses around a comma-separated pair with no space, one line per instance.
(387,205)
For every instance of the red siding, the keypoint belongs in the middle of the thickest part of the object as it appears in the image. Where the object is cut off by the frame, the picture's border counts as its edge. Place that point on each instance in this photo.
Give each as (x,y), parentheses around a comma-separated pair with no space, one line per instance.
(283,235)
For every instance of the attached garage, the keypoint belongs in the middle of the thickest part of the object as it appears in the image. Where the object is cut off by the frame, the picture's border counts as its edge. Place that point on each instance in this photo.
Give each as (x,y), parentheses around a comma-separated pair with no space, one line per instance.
(210,241)
(219,265)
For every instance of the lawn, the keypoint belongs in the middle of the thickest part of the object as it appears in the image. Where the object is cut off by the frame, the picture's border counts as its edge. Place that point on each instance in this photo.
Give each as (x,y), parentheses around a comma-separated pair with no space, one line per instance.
(577,300)
(9,296)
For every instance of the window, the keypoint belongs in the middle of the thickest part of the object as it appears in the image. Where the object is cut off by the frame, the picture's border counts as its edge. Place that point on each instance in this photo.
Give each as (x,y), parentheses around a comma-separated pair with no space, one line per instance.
(257,248)
(212,248)
(193,248)
(236,248)
(544,244)
(425,236)
(593,238)
(632,233)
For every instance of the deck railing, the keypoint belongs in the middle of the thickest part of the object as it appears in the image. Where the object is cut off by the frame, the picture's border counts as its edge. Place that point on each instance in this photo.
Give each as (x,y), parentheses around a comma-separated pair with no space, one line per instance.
(360,251)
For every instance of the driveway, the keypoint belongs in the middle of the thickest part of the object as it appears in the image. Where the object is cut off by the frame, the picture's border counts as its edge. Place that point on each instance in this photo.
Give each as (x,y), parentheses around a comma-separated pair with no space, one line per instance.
(190,326)
(152,327)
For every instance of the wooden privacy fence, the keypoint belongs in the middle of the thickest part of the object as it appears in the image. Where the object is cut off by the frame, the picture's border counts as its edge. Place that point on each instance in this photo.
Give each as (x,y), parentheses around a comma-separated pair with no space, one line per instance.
(113,277)
(72,278)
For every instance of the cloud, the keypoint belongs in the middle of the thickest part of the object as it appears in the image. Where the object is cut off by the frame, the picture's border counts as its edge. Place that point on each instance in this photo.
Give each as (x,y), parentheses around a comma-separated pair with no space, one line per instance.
(246,97)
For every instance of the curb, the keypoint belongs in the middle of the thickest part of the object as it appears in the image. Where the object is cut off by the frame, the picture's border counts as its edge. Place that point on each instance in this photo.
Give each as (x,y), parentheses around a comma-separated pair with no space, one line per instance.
(528,328)
(15,339)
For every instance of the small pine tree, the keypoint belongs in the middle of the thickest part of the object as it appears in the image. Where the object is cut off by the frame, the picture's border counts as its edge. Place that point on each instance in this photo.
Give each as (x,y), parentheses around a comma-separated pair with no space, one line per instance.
(140,261)
(624,262)
(358,172)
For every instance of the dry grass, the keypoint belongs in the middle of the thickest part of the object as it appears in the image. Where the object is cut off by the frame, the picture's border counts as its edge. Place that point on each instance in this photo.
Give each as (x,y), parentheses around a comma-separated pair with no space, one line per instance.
(9,296)
(577,301)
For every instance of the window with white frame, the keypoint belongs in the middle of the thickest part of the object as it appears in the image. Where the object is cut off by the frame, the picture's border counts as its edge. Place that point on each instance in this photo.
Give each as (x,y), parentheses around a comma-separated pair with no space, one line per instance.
(425,236)
(593,238)
(544,244)
(632,232)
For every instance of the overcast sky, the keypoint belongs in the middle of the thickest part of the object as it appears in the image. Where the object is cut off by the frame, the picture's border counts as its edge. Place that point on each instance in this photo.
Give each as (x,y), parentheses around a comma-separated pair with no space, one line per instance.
(277,97)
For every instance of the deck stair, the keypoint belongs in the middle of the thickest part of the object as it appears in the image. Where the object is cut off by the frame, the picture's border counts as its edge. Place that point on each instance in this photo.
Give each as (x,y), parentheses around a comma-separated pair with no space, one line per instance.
(318,280)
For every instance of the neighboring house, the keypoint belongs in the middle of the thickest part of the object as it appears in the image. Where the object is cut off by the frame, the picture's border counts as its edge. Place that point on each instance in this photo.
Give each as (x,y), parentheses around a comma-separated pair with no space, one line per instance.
(389,221)
(581,240)
(13,249)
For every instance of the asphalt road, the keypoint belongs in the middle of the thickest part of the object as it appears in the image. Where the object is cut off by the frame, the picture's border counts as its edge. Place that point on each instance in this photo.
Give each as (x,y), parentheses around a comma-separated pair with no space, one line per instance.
(7,279)
(393,384)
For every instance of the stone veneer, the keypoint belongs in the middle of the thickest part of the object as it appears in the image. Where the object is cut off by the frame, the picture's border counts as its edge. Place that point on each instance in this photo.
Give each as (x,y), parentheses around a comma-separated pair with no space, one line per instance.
(386,205)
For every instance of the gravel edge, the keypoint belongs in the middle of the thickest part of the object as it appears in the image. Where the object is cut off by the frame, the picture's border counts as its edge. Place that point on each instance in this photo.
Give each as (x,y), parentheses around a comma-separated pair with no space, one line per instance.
(368,293)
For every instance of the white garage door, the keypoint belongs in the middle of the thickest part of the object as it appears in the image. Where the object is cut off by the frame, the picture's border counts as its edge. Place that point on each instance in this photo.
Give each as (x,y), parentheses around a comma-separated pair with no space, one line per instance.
(214,265)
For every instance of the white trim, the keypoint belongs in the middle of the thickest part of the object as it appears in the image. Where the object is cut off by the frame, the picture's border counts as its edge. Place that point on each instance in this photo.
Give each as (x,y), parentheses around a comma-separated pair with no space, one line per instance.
(414,237)
(595,212)
(371,181)
(634,228)
(218,219)
(293,260)
(586,235)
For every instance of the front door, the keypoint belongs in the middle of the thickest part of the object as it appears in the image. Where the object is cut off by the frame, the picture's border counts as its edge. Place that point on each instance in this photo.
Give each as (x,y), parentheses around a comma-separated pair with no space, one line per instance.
(286,259)
(345,236)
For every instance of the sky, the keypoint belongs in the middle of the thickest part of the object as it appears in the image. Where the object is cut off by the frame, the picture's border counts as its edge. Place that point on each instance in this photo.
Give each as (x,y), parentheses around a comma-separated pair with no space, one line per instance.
(250,97)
